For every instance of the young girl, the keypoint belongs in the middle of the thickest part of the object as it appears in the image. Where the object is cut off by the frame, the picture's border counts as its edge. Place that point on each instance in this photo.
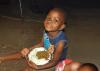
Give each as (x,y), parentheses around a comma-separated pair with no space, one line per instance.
(54,40)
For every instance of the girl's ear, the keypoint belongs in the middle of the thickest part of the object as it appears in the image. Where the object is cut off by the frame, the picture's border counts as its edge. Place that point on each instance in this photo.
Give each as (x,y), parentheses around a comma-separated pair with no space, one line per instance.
(62,27)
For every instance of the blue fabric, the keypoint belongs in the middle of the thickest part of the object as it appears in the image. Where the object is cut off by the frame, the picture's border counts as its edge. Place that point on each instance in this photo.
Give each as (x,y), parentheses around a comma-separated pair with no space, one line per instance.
(60,37)
(46,41)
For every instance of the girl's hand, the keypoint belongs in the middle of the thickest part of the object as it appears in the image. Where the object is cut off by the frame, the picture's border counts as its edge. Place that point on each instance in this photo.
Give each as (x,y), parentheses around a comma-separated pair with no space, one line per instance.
(51,49)
(32,65)
(25,52)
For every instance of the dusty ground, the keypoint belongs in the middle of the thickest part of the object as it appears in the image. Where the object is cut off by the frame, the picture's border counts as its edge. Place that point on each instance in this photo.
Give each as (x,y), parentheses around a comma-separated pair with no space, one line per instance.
(83,33)
(15,35)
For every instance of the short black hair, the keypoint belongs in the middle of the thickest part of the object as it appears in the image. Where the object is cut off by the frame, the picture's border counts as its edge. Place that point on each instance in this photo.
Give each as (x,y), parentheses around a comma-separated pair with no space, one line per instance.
(90,65)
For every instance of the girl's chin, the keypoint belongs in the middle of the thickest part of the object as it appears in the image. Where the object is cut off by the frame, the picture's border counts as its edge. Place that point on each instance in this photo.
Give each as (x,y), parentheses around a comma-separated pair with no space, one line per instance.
(48,30)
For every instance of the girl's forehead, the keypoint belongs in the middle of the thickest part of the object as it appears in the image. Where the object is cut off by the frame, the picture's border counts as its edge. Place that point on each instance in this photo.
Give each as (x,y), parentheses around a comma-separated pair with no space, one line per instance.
(55,13)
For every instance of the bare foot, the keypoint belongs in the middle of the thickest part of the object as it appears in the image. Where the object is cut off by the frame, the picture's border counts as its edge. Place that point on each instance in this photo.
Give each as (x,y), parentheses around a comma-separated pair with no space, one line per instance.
(1,60)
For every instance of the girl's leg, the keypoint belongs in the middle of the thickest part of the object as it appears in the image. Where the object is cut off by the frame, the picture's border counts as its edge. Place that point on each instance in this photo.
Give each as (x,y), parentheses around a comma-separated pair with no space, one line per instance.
(13,56)
(72,67)
(27,68)
(63,64)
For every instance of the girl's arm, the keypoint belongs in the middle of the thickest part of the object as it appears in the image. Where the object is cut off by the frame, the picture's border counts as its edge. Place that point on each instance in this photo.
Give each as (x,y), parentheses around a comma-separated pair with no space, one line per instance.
(25,51)
(54,61)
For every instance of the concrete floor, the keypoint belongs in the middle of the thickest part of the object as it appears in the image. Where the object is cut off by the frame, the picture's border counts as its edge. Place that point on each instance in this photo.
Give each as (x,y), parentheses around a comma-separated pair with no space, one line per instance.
(83,33)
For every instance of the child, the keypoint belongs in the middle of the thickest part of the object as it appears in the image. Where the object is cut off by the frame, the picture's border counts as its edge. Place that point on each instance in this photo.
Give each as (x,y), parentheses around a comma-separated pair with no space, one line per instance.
(54,40)
(88,67)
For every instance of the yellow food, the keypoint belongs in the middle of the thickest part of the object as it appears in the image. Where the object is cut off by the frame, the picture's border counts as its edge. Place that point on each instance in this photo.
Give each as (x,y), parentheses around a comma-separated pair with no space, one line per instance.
(42,54)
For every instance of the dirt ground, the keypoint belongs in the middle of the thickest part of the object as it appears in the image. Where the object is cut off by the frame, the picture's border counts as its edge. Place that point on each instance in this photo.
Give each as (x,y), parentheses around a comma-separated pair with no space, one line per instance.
(83,32)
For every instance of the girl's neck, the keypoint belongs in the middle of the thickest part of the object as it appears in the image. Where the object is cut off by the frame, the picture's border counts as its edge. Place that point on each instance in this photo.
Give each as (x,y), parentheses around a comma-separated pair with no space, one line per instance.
(53,34)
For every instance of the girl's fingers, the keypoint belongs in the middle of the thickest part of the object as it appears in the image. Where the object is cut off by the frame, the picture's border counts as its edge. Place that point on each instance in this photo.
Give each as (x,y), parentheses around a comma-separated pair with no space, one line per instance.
(24,52)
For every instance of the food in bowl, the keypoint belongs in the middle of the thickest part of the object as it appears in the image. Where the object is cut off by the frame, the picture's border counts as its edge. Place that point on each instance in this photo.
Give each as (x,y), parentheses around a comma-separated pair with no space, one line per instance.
(39,56)
(42,54)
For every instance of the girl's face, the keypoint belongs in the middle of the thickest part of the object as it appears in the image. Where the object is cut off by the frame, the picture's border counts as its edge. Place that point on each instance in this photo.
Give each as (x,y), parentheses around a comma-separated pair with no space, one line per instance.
(53,21)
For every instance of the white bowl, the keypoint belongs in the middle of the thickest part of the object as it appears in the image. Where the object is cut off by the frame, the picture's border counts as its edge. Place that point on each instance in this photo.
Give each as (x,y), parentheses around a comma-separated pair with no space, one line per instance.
(32,56)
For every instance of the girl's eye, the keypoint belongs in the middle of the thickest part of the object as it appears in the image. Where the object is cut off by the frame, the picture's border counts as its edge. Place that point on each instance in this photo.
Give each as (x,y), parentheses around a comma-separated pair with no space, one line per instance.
(56,20)
(53,20)
(48,19)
